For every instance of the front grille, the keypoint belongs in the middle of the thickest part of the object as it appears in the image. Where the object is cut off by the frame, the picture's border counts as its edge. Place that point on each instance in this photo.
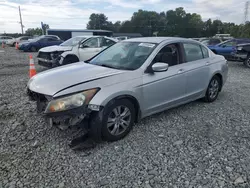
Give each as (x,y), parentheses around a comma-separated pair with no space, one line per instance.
(44,55)
(41,100)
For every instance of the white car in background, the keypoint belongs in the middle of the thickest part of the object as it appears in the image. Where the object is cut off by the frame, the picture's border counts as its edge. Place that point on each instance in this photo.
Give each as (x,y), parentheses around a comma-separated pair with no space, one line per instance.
(12,42)
(79,48)
(4,39)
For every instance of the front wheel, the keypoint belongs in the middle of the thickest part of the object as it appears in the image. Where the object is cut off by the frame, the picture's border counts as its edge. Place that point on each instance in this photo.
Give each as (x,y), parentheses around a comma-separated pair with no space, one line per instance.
(213,89)
(115,121)
(247,62)
(33,49)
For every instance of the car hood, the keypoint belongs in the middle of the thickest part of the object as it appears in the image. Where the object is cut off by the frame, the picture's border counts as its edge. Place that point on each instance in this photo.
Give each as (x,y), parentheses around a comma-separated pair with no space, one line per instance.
(54,80)
(56,48)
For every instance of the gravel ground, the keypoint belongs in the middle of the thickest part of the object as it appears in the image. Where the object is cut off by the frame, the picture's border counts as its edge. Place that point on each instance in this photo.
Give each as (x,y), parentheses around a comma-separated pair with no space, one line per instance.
(195,145)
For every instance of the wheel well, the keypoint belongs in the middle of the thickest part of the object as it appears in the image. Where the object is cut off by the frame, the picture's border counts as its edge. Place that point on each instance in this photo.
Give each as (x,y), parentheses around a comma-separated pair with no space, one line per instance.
(136,105)
(72,56)
(221,80)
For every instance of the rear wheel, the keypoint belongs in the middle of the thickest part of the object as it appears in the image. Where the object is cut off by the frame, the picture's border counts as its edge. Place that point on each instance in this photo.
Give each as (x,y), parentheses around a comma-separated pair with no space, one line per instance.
(213,89)
(114,122)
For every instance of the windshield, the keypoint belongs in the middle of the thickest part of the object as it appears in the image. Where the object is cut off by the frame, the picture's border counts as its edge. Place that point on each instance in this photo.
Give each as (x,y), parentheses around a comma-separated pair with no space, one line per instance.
(73,41)
(124,55)
(227,43)
(223,42)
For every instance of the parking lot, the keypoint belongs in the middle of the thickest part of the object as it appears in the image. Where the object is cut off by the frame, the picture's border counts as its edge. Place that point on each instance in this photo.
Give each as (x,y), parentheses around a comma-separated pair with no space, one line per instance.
(194,145)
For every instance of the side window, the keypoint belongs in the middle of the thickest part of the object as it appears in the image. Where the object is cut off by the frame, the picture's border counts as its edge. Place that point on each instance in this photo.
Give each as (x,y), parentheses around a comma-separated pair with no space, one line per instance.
(168,54)
(92,43)
(193,52)
(106,42)
(52,39)
(205,52)
(43,40)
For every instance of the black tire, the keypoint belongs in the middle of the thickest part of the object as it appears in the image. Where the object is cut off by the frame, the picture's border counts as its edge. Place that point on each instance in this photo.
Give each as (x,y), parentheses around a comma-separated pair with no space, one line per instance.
(214,51)
(211,96)
(247,62)
(14,44)
(70,59)
(33,49)
(99,121)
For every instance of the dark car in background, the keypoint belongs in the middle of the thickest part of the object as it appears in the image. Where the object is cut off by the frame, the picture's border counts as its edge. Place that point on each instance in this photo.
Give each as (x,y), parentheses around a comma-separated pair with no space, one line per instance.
(40,42)
(228,47)
(242,54)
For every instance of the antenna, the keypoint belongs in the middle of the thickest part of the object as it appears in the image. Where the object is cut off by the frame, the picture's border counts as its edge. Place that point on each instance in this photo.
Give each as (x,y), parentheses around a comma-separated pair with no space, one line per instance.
(246,12)
(21,22)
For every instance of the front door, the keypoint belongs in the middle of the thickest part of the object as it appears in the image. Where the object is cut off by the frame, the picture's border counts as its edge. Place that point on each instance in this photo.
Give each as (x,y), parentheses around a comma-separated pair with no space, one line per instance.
(43,42)
(227,48)
(89,48)
(162,90)
(197,69)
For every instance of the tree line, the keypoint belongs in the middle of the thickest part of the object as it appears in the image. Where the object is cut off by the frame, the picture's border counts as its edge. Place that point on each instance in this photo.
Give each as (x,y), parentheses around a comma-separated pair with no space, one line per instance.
(170,23)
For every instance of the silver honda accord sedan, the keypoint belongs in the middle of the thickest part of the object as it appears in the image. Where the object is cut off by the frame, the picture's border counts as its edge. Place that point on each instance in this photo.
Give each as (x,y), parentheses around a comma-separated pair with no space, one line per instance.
(126,82)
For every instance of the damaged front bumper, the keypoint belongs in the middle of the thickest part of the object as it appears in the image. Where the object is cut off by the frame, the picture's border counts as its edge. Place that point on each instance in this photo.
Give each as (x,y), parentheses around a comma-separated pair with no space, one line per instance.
(63,119)
(48,63)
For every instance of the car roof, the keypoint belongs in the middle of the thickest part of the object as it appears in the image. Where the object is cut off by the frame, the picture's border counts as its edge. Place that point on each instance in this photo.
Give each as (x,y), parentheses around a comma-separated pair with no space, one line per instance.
(157,39)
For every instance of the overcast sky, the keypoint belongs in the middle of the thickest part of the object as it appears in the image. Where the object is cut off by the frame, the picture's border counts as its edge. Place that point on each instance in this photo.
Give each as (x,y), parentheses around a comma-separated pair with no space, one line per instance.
(74,14)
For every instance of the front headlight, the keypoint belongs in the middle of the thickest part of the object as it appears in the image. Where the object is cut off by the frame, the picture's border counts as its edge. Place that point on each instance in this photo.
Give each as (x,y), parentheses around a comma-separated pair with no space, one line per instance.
(71,102)
(55,55)
(239,48)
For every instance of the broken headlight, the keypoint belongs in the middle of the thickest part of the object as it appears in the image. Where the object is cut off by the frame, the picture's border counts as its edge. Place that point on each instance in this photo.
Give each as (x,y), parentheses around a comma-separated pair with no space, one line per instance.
(55,55)
(71,102)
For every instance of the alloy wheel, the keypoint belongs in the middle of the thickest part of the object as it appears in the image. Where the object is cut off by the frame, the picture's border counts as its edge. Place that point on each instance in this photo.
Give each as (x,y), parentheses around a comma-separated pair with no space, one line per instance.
(213,88)
(248,62)
(119,120)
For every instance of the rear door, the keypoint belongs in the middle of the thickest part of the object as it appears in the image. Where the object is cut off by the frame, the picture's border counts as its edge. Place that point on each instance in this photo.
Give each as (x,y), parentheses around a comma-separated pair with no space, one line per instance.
(89,48)
(197,69)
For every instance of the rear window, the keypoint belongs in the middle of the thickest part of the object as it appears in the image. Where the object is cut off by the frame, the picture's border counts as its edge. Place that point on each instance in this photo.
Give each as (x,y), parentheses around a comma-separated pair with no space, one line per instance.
(205,52)
(193,52)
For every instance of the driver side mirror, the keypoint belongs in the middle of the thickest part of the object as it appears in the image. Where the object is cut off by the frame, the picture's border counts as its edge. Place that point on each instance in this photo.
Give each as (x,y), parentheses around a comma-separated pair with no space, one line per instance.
(159,67)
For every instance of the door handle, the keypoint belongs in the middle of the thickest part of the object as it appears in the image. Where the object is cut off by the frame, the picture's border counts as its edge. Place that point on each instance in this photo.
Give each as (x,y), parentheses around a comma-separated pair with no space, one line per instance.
(180,71)
(207,63)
